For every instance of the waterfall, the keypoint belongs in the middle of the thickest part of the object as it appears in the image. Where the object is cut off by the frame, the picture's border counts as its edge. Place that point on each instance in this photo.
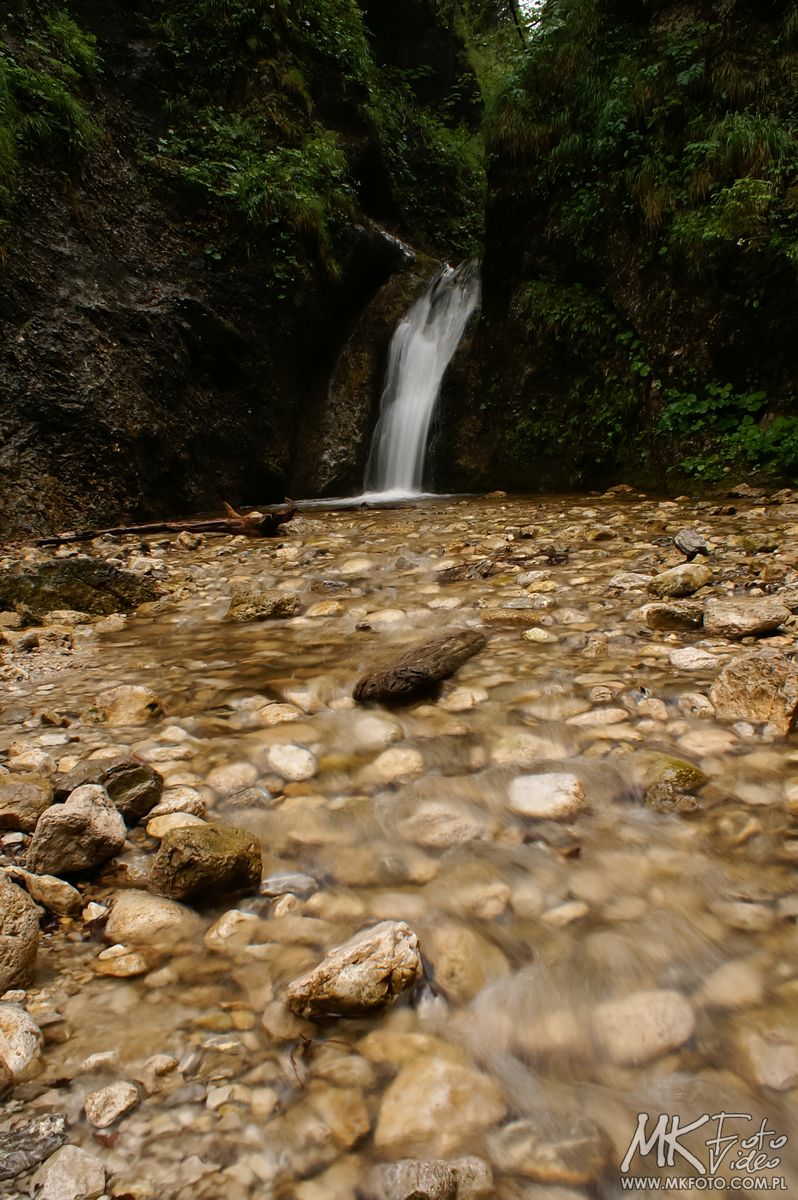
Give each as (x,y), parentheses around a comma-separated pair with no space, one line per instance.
(421,349)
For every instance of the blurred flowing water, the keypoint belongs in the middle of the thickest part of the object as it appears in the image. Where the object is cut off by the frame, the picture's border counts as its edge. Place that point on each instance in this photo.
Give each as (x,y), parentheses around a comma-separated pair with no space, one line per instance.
(531,930)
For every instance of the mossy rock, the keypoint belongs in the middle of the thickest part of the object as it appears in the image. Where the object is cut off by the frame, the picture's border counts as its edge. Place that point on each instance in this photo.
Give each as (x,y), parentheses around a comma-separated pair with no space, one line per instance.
(678,773)
(201,862)
(82,584)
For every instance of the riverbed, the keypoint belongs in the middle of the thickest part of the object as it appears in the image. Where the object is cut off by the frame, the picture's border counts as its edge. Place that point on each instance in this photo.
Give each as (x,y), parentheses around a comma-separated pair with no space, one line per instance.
(634,952)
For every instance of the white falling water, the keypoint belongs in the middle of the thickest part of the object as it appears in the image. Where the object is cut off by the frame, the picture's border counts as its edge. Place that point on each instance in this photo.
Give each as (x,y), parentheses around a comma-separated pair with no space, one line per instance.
(421,349)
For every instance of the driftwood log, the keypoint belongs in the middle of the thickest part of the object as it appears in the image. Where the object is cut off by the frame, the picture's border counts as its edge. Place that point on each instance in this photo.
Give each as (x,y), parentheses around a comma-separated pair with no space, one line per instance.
(261,525)
(418,671)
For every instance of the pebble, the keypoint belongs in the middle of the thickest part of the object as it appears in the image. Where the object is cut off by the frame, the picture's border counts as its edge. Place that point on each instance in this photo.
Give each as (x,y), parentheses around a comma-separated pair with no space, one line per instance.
(561,1149)
(292,762)
(232,778)
(158,827)
(108,1104)
(692,658)
(643,1025)
(129,704)
(363,974)
(181,799)
(555,796)
(140,919)
(399,762)
(437,1105)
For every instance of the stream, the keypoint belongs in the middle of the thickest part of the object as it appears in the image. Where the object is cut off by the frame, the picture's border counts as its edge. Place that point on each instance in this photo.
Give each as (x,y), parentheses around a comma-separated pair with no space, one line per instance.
(633,953)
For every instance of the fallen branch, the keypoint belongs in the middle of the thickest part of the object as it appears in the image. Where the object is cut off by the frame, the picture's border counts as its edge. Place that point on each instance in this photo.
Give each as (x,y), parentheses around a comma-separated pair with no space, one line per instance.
(260,525)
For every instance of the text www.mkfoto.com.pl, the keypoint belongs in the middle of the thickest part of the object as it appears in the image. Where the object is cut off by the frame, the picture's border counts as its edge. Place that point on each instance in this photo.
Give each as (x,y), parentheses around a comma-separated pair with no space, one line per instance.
(699,1183)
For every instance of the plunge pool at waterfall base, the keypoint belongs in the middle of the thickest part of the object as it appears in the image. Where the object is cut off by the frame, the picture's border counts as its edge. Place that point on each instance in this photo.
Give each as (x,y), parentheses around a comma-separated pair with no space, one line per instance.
(628,949)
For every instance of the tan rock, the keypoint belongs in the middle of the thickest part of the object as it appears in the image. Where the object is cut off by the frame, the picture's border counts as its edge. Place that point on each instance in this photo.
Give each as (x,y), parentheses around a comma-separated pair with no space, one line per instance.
(761,687)
(365,973)
(643,1026)
(744,617)
(680,581)
(437,1106)
(463,961)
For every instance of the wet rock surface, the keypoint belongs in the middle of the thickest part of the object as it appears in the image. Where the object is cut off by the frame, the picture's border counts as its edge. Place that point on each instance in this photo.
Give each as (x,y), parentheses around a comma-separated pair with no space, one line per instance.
(82,833)
(82,584)
(205,861)
(365,973)
(19,935)
(615,937)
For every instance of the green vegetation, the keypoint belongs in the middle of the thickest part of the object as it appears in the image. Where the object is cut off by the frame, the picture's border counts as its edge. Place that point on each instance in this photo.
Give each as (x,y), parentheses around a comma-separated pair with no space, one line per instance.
(272,106)
(650,156)
(44,75)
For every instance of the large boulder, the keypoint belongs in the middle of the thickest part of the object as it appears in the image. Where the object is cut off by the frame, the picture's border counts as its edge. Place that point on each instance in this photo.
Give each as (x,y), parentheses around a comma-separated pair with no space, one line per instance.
(135,787)
(761,687)
(78,835)
(364,974)
(19,935)
(204,861)
(81,583)
(23,799)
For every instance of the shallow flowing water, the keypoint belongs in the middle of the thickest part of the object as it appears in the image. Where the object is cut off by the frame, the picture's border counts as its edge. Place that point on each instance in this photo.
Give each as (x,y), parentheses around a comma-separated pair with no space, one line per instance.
(637,957)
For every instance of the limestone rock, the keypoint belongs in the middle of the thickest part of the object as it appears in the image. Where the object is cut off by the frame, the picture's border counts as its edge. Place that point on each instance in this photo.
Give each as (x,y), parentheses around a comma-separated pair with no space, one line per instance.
(766,1048)
(679,614)
(363,974)
(23,799)
(551,796)
(205,861)
(141,919)
(82,833)
(643,1026)
(135,787)
(249,603)
(572,1150)
(463,960)
(19,935)
(69,1174)
(680,581)
(744,617)
(436,1105)
(293,762)
(20,1041)
(692,658)
(128,704)
(410,1177)
(108,1104)
(761,687)
(52,893)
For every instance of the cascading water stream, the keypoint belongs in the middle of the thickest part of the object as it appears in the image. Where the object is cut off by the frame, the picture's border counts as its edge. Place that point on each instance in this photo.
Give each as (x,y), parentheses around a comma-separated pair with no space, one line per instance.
(421,349)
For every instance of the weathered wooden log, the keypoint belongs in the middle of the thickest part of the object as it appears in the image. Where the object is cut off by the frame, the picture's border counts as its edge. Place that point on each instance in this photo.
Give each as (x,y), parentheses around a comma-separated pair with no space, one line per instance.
(418,670)
(262,525)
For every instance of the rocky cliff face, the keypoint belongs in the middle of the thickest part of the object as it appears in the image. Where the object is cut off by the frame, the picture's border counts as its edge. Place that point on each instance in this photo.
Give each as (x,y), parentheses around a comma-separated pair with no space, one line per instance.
(178,281)
(640,277)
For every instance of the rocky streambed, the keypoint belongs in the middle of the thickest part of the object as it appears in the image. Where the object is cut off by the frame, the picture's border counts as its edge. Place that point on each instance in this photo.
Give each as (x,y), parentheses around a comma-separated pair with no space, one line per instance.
(260,940)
